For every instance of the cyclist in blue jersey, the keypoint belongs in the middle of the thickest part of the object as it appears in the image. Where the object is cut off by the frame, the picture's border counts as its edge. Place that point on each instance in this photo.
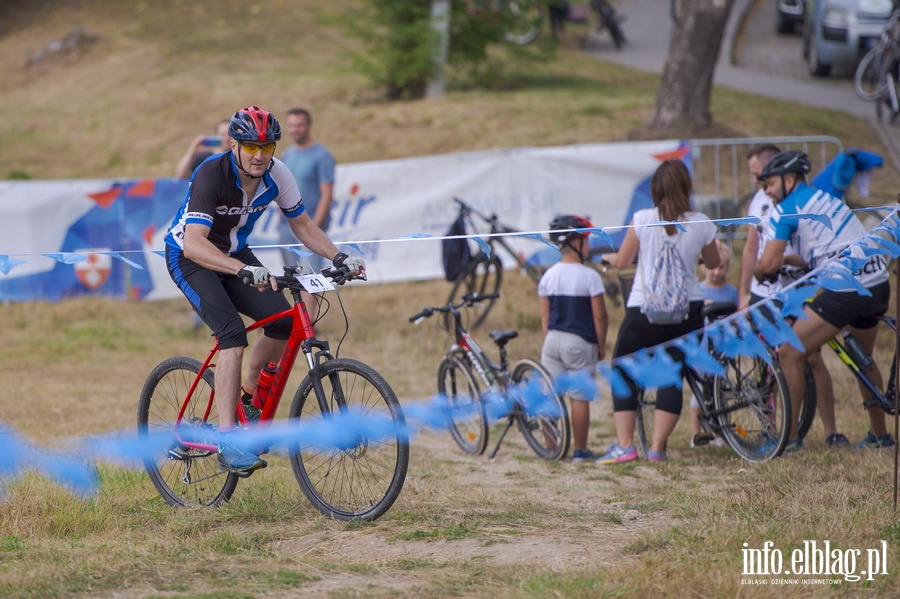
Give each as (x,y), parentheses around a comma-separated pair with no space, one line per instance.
(208,258)
(784,177)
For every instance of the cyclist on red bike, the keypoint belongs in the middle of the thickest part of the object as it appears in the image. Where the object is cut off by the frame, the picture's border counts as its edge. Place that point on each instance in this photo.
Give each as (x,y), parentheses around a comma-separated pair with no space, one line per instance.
(208,258)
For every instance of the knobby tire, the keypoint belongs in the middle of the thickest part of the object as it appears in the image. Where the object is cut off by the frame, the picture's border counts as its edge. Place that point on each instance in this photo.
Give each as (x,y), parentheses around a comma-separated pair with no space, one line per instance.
(161,399)
(357,477)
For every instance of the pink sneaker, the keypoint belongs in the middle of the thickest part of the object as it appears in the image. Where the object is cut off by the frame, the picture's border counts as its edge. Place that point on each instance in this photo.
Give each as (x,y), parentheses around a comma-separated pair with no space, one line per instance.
(617,454)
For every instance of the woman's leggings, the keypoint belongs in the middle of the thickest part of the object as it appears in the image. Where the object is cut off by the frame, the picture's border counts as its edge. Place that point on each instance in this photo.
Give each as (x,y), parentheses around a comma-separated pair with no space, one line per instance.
(637,333)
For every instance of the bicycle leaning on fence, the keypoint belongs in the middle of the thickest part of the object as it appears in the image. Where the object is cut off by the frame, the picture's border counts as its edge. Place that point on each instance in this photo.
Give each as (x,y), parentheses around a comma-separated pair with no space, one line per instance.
(358,476)
(483,275)
(467,377)
(876,76)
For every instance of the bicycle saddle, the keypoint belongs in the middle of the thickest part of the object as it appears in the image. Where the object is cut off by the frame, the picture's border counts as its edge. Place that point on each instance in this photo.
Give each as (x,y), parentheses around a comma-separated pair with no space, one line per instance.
(501,337)
(717,310)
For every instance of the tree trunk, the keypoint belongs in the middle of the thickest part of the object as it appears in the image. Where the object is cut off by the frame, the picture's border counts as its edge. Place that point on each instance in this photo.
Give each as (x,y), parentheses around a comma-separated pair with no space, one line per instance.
(682,101)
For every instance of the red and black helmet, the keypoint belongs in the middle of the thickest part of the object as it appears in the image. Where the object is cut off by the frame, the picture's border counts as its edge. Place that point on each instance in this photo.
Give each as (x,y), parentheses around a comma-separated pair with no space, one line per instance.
(254,124)
(568,221)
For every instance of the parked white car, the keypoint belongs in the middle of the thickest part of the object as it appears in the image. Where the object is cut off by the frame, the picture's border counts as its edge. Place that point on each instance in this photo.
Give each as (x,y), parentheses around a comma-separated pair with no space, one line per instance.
(840,32)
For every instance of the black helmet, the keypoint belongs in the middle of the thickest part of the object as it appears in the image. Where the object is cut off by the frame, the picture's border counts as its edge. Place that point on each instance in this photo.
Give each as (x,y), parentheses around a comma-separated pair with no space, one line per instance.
(789,161)
(568,221)
(254,124)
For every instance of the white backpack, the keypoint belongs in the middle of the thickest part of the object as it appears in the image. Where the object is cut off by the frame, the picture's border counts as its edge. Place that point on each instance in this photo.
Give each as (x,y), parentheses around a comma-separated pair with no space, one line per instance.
(667,291)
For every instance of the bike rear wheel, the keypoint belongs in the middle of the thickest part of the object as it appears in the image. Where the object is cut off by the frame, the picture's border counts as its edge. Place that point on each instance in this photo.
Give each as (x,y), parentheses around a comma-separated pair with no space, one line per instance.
(754,408)
(544,419)
(483,276)
(522,20)
(467,421)
(350,475)
(183,476)
(646,411)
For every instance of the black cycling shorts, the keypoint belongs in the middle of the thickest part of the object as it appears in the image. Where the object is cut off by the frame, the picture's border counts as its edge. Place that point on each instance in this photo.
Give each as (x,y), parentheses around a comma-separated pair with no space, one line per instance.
(841,309)
(220,299)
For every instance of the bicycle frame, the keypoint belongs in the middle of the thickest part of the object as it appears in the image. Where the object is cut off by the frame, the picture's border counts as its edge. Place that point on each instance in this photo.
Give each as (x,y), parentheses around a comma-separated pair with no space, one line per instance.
(302,338)
(496,227)
(495,376)
(884,398)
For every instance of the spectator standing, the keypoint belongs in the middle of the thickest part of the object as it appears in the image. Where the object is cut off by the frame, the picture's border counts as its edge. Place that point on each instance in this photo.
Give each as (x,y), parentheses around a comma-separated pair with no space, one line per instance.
(573,318)
(201,148)
(784,177)
(753,291)
(670,189)
(312,166)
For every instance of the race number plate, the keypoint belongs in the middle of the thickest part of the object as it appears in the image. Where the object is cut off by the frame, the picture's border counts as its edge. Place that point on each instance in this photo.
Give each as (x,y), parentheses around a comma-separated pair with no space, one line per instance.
(315,283)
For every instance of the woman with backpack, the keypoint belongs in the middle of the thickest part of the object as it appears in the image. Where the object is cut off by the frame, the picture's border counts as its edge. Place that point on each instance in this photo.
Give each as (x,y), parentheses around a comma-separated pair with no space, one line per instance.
(665,299)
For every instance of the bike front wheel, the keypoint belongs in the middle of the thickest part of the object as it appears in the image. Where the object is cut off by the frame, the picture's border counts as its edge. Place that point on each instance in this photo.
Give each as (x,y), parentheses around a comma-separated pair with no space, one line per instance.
(349,474)
(467,421)
(183,476)
(544,419)
(754,408)
(869,80)
(482,276)
(522,20)
(808,409)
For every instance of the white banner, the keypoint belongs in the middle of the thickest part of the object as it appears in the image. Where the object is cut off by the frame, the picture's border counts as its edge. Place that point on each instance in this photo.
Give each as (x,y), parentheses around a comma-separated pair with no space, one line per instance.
(376,204)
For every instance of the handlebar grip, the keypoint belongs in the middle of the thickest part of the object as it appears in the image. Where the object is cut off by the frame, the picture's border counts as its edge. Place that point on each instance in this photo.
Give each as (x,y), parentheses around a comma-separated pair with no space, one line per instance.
(417,318)
(473,297)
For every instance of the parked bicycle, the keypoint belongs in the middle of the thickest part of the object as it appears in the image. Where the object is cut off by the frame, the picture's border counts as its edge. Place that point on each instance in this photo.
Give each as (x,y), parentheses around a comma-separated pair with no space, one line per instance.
(484,273)
(466,375)
(876,76)
(359,478)
(748,405)
(609,19)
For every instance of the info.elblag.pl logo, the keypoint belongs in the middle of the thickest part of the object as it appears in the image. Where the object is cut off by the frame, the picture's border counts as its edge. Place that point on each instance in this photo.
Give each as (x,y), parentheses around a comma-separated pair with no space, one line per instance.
(816,559)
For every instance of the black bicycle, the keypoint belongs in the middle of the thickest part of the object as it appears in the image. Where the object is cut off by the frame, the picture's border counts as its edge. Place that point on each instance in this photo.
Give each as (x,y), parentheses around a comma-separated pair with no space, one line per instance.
(748,405)
(484,273)
(476,387)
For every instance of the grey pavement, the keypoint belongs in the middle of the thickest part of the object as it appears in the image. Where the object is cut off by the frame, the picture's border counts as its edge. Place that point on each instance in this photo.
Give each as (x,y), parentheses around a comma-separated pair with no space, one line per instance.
(648,28)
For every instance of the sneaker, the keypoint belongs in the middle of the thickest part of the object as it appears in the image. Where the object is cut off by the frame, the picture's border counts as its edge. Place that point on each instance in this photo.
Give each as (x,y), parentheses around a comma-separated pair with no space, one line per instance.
(617,454)
(872,441)
(656,456)
(236,459)
(253,413)
(583,455)
(794,446)
(837,440)
(718,442)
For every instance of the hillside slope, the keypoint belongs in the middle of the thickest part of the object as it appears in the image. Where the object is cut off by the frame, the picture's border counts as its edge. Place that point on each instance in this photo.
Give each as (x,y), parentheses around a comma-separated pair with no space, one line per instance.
(161,72)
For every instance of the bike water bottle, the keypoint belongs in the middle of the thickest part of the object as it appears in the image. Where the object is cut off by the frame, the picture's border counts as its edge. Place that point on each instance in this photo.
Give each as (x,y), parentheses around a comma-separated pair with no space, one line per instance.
(857,351)
(266,376)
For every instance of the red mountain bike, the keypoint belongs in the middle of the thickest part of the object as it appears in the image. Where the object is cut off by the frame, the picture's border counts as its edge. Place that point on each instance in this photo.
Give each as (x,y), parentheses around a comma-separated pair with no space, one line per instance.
(346,434)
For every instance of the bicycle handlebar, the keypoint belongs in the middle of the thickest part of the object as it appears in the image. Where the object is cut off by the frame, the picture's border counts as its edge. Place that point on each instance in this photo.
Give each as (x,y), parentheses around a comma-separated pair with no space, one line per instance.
(468,300)
(338,276)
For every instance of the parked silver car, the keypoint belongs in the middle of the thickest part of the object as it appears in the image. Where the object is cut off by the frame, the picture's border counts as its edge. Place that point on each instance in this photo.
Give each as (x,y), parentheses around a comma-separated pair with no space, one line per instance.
(790,14)
(839,32)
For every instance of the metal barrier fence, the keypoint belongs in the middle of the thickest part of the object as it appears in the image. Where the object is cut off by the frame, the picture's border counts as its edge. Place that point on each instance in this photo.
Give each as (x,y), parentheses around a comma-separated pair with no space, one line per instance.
(722,182)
